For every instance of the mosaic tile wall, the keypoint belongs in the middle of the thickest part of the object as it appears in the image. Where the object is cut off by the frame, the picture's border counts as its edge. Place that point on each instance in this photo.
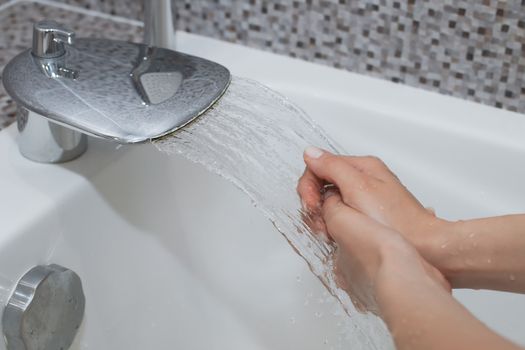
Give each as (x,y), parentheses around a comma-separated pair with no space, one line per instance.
(472,49)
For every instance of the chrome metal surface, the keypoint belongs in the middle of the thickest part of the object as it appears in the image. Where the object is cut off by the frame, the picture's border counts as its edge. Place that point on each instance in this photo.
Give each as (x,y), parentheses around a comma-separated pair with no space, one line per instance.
(44,141)
(45,310)
(49,38)
(115,90)
(158,24)
(153,84)
(49,51)
(105,100)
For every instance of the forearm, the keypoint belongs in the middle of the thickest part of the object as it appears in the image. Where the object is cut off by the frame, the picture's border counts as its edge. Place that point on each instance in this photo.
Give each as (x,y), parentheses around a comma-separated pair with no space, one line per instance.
(482,254)
(421,315)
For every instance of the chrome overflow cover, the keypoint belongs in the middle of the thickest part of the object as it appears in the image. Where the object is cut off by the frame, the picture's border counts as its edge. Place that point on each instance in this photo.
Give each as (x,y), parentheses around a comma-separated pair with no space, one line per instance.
(45,310)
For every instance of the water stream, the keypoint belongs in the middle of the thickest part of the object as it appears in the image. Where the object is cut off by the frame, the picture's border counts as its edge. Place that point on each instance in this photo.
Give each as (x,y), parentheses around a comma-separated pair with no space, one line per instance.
(254,137)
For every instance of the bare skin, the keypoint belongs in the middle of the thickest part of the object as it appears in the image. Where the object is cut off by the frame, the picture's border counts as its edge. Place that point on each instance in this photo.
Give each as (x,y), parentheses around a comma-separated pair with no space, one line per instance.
(483,253)
(387,241)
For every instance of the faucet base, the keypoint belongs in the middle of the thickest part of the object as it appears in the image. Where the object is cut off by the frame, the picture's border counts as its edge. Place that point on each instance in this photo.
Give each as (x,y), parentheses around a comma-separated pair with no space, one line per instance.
(44,141)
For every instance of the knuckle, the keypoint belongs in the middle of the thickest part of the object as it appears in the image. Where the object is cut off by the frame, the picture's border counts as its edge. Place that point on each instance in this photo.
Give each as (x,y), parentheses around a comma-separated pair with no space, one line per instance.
(332,162)
(336,164)
(301,186)
(374,160)
(301,191)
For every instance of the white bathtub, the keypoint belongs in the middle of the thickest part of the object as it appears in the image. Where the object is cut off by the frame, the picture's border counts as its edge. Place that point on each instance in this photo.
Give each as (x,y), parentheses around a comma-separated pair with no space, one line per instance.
(165,264)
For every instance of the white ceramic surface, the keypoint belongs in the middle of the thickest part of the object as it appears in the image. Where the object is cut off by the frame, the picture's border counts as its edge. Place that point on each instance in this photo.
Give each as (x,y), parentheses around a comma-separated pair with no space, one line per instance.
(172,257)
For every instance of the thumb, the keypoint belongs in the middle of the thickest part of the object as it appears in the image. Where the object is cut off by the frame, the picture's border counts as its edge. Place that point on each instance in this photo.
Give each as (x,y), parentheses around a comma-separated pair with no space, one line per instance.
(332,168)
(338,217)
(344,224)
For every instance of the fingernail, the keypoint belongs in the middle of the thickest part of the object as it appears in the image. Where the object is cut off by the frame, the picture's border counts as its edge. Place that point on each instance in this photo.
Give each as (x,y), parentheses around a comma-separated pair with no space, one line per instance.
(313,152)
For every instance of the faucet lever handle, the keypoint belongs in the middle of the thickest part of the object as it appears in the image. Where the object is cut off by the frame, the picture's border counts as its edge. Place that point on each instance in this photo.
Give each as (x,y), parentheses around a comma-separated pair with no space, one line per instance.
(49,38)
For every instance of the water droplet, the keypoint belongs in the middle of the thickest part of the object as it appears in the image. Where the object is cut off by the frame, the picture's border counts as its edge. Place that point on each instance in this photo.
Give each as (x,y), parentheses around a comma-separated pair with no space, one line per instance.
(444,245)
(292,320)
(471,235)
(318,314)
(299,279)
(489,261)
(512,277)
(381,208)
(325,342)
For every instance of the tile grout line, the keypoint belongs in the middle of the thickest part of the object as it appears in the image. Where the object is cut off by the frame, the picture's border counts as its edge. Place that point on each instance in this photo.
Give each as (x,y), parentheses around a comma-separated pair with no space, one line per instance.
(8,4)
(81,10)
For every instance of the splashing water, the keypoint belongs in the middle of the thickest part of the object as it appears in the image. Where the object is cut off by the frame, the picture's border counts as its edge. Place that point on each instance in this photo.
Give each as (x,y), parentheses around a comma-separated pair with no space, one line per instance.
(255,138)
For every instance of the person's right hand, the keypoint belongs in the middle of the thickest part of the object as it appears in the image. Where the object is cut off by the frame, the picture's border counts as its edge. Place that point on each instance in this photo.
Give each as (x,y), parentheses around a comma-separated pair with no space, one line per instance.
(371,257)
(367,185)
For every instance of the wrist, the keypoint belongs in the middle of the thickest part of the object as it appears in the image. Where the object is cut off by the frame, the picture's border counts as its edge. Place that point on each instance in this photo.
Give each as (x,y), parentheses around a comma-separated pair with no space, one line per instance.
(437,242)
(433,240)
(399,278)
(447,246)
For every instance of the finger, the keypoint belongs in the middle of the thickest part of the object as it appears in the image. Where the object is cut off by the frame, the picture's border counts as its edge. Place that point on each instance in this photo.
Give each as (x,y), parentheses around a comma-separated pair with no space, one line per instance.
(337,216)
(315,223)
(345,225)
(335,170)
(373,166)
(309,189)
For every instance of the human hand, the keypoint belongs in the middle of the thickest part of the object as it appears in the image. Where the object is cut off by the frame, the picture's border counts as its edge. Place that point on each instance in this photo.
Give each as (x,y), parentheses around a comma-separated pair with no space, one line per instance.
(367,185)
(370,256)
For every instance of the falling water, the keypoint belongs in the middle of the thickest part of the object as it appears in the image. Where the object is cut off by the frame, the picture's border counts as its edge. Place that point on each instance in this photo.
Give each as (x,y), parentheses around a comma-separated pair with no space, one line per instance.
(254,137)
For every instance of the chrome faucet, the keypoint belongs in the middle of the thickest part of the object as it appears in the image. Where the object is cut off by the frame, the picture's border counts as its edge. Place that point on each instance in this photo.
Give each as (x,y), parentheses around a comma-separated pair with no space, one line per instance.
(158,24)
(67,88)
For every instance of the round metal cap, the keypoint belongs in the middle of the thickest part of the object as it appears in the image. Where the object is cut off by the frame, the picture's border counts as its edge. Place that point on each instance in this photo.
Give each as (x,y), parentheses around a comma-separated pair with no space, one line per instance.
(45,310)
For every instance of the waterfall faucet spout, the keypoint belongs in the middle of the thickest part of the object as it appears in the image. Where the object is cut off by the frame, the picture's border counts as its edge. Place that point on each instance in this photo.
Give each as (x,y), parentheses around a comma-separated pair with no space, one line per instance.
(67,88)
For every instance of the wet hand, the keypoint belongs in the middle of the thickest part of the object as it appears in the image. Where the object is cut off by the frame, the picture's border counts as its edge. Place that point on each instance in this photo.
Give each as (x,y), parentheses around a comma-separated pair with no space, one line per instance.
(367,185)
(369,255)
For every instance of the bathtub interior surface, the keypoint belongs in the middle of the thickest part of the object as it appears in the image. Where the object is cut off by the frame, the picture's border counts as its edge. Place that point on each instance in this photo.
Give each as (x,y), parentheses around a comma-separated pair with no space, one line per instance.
(172,256)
